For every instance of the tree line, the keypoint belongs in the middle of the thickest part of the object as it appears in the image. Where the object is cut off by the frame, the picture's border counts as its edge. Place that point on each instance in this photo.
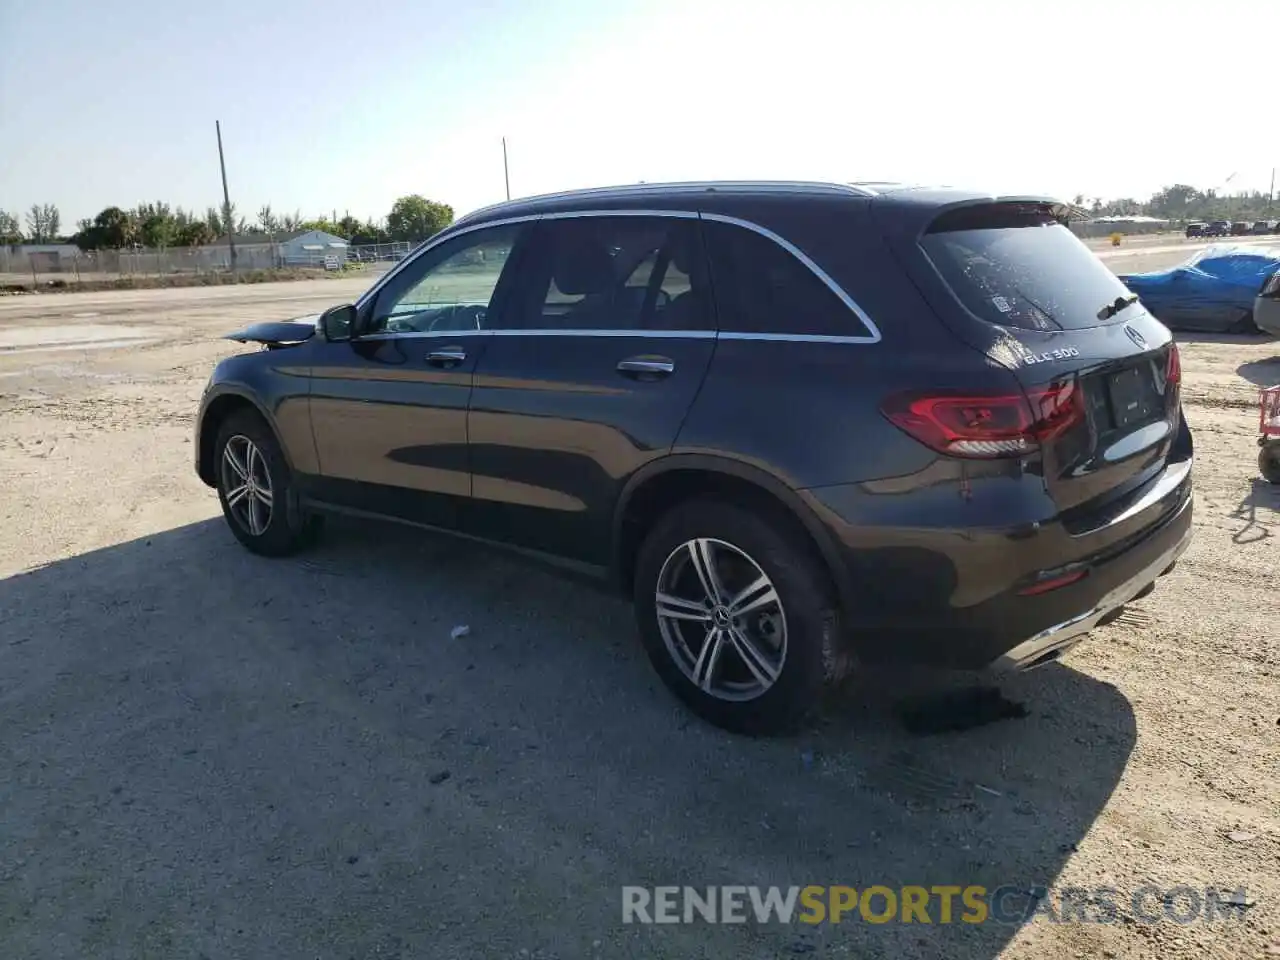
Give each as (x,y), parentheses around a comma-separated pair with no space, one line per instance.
(1183,202)
(159,225)
(43,221)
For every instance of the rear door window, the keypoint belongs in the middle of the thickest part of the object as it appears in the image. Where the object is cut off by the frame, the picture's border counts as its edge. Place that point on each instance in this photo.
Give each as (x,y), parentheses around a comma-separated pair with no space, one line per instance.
(615,274)
(763,288)
(1017,266)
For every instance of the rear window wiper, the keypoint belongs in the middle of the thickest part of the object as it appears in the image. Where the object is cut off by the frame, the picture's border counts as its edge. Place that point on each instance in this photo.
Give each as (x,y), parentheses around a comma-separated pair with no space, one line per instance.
(1111,309)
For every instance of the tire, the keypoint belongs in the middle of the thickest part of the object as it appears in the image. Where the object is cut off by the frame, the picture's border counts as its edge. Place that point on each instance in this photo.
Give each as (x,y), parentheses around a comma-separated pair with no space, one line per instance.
(1269,461)
(267,518)
(778,684)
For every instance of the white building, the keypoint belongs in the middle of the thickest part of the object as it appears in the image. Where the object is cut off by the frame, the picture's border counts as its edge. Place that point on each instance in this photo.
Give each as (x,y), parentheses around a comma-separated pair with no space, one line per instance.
(311,248)
(298,249)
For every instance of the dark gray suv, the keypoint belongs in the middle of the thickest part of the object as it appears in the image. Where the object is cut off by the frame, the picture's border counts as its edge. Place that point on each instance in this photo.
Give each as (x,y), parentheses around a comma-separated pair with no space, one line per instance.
(802,426)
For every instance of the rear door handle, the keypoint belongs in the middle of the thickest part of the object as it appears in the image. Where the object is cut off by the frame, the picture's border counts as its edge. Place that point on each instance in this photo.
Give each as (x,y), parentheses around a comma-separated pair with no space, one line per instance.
(446,356)
(646,368)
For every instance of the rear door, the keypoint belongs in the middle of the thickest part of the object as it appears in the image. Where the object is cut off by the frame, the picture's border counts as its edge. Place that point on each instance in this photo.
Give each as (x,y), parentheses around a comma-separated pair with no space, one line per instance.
(610,336)
(1013,281)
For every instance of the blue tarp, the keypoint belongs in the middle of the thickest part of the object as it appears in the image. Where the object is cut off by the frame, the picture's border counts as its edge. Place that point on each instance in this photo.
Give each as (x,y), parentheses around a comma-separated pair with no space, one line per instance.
(1213,291)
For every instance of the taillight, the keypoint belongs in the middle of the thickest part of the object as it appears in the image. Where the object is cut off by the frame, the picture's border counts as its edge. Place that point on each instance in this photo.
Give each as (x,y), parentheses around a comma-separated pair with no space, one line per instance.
(1173,369)
(995,425)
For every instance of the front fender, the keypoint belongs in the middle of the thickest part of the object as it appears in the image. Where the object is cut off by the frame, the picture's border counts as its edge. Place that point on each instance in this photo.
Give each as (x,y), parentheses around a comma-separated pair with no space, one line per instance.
(277,389)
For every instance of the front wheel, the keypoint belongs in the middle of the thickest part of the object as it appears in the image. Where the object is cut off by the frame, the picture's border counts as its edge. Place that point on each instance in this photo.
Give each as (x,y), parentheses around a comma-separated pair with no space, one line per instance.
(255,489)
(736,616)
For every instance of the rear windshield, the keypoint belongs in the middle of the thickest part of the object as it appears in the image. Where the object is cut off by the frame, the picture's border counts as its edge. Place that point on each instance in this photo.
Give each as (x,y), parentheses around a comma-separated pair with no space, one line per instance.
(1017,266)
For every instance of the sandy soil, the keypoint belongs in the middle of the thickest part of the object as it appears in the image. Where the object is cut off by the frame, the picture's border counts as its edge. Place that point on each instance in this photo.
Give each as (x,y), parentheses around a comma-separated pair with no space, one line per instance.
(207,754)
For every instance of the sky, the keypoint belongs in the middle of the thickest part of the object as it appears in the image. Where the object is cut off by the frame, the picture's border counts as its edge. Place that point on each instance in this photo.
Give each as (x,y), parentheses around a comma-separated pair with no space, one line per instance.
(347,105)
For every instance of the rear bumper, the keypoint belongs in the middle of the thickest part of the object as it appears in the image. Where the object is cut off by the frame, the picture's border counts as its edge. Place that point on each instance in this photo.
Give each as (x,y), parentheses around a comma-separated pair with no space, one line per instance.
(1053,642)
(962,597)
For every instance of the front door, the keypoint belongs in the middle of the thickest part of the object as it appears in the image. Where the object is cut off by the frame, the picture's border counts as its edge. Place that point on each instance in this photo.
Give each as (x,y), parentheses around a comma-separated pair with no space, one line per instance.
(612,336)
(389,409)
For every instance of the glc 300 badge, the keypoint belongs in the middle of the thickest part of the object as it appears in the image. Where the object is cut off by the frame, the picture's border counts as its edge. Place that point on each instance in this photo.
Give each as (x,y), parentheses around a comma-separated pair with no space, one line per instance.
(1062,353)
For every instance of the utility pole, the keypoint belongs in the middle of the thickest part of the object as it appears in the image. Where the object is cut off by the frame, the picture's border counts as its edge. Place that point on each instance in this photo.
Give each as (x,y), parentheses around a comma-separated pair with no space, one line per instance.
(226,200)
(506,175)
(1271,194)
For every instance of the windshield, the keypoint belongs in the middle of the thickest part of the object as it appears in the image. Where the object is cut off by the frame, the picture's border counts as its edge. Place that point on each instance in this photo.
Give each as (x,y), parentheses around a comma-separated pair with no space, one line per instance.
(1017,266)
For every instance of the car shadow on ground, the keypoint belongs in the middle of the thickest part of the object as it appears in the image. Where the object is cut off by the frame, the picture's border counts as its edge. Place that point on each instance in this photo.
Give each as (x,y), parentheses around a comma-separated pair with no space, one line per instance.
(208,752)
(1261,494)
(1263,373)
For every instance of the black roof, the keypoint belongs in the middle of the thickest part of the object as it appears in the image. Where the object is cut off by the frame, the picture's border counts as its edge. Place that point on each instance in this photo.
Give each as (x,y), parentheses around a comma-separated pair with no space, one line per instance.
(743,198)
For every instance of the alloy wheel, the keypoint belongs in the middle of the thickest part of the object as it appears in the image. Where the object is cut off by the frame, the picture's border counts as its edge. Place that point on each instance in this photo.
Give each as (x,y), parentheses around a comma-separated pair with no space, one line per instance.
(246,484)
(721,619)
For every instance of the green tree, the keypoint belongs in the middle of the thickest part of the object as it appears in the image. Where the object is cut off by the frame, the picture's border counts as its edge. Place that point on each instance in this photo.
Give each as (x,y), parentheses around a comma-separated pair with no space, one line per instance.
(112,228)
(156,225)
(415,218)
(195,233)
(348,227)
(320,224)
(368,232)
(267,220)
(43,221)
(10,228)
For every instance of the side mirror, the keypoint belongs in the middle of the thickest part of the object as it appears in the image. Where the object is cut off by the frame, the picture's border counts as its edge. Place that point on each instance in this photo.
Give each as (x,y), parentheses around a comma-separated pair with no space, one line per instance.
(338,323)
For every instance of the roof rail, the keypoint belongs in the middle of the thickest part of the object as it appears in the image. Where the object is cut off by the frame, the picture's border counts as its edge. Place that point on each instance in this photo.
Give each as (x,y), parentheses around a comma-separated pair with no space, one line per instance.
(693,186)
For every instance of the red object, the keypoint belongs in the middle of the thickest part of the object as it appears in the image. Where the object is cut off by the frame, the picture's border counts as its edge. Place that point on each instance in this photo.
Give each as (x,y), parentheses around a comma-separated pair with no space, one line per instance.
(1173,372)
(987,426)
(1044,586)
(1269,412)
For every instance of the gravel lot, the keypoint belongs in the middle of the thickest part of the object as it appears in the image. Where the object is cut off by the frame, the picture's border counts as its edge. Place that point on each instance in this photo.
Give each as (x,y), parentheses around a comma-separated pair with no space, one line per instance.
(210,755)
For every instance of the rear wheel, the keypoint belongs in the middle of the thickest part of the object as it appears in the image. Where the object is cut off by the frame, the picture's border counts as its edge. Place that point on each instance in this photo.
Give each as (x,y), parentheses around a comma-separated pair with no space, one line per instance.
(255,488)
(1269,461)
(736,617)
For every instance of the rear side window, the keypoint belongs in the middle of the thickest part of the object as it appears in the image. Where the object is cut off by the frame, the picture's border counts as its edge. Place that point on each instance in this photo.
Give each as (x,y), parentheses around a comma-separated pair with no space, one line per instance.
(763,288)
(1017,266)
(615,273)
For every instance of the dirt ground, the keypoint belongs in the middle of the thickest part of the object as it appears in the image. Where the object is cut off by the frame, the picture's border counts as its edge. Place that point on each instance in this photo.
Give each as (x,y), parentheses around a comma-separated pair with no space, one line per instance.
(206,754)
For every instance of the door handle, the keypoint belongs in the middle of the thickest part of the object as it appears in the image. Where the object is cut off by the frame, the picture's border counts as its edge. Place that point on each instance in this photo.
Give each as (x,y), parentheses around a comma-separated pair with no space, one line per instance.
(446,356)
(646,368)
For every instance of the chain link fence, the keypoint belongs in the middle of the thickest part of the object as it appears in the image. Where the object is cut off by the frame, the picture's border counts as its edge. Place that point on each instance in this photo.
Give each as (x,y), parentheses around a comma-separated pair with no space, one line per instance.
(70,264)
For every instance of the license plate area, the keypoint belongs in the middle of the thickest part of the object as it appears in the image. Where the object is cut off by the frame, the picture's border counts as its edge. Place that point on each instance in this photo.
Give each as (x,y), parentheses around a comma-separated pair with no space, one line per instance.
(1134,399)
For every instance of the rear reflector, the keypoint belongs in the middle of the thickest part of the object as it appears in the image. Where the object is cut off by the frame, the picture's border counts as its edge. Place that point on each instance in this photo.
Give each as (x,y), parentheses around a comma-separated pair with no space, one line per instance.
(1054,583)
(986,426)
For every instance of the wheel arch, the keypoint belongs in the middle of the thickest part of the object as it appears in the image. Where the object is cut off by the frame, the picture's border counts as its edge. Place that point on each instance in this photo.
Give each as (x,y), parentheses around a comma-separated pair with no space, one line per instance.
(215,411)
(662,484)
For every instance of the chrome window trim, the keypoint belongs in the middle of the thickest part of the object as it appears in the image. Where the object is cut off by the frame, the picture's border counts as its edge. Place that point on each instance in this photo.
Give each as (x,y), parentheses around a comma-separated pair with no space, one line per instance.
(873,335)
(446,334)
(873,332)
(587,214)
(793,337)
